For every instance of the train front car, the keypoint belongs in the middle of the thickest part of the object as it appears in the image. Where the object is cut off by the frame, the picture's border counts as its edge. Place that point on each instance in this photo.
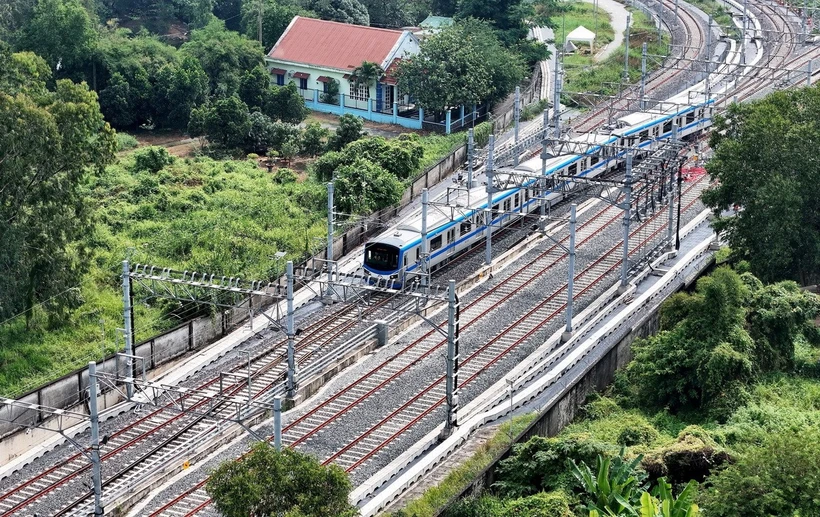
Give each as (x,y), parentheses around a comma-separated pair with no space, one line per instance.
(383,261)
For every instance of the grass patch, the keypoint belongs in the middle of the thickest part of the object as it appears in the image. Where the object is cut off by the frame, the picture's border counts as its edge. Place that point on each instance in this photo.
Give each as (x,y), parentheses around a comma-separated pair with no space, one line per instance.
(720,14)
(587,80)
(437,147)
(436,497)
(126,142)
(583,13)
(225,217)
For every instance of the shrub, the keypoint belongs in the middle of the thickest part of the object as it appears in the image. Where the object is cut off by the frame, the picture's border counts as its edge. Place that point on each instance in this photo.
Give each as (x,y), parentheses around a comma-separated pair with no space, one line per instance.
(540,464)
(482,132)
(283,176)
(637,434)
(693,456)
(544,504)
(779,477)
(151,159)
(126,142)
(485,506)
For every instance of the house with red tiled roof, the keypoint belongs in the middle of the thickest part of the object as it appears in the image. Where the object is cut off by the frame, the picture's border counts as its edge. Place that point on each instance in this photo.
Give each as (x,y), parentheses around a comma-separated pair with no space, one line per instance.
(314,53)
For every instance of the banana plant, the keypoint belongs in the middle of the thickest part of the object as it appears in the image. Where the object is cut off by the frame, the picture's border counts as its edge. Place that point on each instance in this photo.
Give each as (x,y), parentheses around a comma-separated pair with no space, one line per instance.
(614,489)
(665,504)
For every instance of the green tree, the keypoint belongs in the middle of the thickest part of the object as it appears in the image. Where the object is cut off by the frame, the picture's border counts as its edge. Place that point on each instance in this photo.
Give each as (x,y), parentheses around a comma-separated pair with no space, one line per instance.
(706,358)
(145,81)
(61,32)
(286,104)
(314,138)
(49,143)
(178,89)
(255,88)
(779,477)
(764,163)
(389,13)
(364,187)
(463,64)
(345,11)
(276,15)
(224,55)
(14,14)
(366,74)
(349,130)
(226,123)
(271,483)
(261,133)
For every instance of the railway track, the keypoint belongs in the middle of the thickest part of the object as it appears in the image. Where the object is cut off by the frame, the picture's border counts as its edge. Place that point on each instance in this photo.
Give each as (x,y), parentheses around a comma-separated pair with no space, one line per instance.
(331,411)
(165,433)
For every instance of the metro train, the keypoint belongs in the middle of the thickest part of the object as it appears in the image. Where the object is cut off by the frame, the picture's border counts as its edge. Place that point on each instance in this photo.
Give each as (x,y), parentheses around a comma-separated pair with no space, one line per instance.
(395,254)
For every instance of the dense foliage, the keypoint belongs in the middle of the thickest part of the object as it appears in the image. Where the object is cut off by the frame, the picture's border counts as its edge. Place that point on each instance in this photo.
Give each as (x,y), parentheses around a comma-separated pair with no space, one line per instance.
(50,140)
(715,342)
(757,457)
(268,483)
(464,64)
(765,164)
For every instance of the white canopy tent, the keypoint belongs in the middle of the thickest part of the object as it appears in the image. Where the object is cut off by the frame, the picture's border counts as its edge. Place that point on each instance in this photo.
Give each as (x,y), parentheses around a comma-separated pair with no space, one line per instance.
(583,35)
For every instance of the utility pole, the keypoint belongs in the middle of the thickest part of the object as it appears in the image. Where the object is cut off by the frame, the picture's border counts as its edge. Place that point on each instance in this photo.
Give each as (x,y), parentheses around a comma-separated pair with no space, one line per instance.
(671,190)
(129,327)
(277,423)
(470,157)
(556,102)
(330,220)
(544,163)
(803,17)
(291,379)
(517,118)
(626,51)
(708,64)
(743,36)
(643,75)
(627,206)
(571,276)
(96,473)
(452,360)
(488,251)
(425,251)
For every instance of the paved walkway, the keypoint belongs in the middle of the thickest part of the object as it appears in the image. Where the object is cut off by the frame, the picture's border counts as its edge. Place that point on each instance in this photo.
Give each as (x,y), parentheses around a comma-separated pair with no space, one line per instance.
(618,13)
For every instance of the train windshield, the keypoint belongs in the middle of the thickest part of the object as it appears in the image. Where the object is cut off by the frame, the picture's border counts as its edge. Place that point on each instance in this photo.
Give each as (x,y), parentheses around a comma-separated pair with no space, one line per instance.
(381,257)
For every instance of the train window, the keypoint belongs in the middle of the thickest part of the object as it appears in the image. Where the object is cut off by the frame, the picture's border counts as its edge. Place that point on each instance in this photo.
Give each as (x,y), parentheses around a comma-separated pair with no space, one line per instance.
(644,135)
(690,117)
(435,243)
(507,203)
(495,211)
(451,235)
(466,226)
(667,126)
(572,170)
(594,160)
(418,253)
(381,257)
(517,199)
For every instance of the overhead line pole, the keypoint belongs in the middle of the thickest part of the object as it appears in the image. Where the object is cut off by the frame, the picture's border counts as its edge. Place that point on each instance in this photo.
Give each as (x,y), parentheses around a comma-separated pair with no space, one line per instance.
(488,250)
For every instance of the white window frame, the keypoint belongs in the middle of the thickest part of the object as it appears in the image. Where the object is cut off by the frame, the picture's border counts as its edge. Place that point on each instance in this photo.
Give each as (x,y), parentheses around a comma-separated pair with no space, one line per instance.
(362,93)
